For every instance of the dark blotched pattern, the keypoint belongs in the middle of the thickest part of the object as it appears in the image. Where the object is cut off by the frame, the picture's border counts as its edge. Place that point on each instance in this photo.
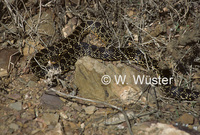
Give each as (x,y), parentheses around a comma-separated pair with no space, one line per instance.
(65,53)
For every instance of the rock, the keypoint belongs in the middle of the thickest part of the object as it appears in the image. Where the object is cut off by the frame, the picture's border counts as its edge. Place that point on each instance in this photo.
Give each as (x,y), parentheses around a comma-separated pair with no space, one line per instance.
(51,101)
(6,56)
(16,106)
(15,96)
(88,79)
(118,118)
(186,119)
(46,26)
(90,109)
(56,131)
(27,115)
(157,129)
(76,107)
(63,115)
(71,128)
(31,84)
(130,13)
(14,126)
(3,72)
(50,118)
(70,26)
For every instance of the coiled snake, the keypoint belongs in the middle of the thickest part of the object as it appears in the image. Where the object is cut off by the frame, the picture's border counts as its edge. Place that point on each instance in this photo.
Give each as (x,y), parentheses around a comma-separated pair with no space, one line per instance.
(65,53)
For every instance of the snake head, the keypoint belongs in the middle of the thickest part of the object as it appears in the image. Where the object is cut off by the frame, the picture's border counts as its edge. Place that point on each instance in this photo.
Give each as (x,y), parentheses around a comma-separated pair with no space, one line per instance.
(53,62)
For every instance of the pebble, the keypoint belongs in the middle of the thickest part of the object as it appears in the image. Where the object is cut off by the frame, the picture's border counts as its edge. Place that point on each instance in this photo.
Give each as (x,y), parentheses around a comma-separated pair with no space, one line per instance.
(186,119)
(56,131)
(14,126)
(90,109)
(51,101)
(15,96)
(50,118)
(16,106)
(63,115)
(31,84)
(76,107)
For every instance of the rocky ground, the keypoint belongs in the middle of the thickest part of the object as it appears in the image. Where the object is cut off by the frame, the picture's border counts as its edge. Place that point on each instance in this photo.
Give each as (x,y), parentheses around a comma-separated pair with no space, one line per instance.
(80,103)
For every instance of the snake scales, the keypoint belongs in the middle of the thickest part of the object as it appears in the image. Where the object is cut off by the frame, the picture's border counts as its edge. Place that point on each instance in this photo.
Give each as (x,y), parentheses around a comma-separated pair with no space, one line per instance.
(65,53)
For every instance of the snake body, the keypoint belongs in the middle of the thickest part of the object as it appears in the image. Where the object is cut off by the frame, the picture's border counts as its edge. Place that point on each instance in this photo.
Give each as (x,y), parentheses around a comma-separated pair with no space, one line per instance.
(65,53)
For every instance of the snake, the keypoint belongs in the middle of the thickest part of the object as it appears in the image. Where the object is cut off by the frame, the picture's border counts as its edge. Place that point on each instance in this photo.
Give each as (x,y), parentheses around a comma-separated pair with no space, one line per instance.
(64,54)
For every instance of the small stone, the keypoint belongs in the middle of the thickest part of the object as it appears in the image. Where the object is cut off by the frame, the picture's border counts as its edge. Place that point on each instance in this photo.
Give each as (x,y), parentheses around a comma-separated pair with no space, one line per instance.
(50,118)
(69,127)
(158,129)
(14,96)
(56,131)
(165,9)
(31,84)
(27,115)
(76,107)
(130,13)
(186,119)
(5,57)
(121,126)
(14,126)
(3,72)
(51,101)
(16,106)
(35,131)
(82,125)
(63,115)
(69,14)
(90,109)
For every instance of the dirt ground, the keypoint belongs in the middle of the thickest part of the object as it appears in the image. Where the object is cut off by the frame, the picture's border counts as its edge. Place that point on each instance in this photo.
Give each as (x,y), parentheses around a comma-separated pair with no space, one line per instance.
(77,102)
